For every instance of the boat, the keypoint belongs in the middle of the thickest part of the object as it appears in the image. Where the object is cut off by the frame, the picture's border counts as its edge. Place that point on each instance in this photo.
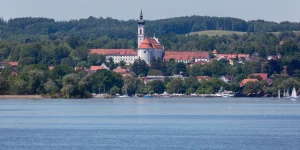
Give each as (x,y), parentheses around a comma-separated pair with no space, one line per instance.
(124,96)
(294,95)
(278,93)
(148,96)
(224,93)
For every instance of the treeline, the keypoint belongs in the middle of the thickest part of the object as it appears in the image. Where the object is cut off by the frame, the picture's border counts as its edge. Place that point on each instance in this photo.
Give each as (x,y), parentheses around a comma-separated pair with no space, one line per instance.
(36,29)
(72,50)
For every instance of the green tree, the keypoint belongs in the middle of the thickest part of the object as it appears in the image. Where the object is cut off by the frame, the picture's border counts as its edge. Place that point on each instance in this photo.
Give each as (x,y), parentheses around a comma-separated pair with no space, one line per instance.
(103,80)
(157,86)
(140,67)
(175,86)
(50,87)
(4,85)
(96,59)
(114,90)
(252,87)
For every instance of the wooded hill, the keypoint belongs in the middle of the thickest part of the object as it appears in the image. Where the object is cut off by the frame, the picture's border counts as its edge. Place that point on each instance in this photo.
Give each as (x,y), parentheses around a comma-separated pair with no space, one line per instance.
(36,29)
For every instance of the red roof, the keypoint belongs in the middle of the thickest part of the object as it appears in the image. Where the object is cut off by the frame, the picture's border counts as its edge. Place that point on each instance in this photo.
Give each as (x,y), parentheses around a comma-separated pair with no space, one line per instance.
(203,78)
(120,70)
(95,68)
(113,51)
(51,67)
(245,81)
(230,56)
(14,64)
(150,43)
(281,43)
(264,76)
(185,55)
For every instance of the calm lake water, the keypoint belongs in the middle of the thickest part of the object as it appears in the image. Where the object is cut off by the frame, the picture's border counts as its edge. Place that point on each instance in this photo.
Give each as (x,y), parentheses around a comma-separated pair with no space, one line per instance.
(176,123)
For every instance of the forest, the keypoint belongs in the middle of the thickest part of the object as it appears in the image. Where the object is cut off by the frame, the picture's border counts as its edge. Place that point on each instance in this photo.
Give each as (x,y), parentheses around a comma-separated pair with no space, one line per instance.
(37,43)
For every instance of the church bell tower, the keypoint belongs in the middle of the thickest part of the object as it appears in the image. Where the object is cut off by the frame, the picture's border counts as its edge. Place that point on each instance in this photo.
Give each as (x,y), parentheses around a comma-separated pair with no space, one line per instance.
(141,29)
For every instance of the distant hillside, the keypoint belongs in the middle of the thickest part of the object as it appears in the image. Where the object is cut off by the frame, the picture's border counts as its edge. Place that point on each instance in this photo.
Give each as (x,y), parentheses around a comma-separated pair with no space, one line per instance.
(36,29)
(223,32)
(217,32)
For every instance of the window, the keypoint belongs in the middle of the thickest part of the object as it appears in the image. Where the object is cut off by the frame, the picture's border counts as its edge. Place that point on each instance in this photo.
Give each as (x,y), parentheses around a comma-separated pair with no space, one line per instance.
(140,31)
(145,52)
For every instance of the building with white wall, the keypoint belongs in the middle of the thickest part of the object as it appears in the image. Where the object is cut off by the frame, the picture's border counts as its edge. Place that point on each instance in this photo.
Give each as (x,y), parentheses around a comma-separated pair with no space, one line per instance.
(147,48)
(118,55)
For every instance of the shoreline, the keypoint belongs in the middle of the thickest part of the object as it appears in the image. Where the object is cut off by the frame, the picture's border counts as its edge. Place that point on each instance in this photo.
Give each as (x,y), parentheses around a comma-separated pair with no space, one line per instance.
(23,97)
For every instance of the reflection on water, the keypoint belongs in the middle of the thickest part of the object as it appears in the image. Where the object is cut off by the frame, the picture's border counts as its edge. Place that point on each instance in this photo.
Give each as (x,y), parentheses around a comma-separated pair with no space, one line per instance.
(175,123)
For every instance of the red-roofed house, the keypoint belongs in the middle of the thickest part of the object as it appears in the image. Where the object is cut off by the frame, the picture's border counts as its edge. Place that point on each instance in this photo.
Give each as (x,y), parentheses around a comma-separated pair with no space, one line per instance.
(51,67)
(94,69)
(263,76)
(202,78)
(187,57)
(4,64)
(118,55)
(245,81)
(232,56)
(123,72)
(13,64)
(241,57)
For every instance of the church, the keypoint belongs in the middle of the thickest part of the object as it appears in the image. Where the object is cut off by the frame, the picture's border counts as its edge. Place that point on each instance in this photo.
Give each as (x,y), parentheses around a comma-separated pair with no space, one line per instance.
(146,50)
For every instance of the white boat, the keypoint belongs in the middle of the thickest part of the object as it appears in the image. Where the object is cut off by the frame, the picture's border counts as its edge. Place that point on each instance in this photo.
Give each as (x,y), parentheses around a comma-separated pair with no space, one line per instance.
(294,95)
(225,94)
(124,96)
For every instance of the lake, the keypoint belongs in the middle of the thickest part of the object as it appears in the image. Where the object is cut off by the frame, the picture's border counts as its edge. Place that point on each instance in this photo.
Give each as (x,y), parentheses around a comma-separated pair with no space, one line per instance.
(150,124)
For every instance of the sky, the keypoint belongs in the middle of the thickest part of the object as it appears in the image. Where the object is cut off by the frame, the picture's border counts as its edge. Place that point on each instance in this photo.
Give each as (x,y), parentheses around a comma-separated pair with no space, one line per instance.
(270,10)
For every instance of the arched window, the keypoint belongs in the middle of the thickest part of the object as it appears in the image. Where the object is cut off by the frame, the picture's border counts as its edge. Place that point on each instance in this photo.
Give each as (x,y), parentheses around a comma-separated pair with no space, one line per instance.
(140,31)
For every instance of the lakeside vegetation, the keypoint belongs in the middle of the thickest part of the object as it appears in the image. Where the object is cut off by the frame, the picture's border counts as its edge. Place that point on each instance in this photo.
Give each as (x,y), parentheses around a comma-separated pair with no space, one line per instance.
(37,43)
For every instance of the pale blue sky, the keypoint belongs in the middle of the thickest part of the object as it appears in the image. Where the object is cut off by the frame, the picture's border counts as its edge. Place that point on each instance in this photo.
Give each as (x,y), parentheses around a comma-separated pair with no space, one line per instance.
(271,10)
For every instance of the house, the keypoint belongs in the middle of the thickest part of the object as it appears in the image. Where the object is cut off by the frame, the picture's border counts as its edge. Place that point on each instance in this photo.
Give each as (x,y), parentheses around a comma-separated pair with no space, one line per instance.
(51,67)
(264,77)
(254,57)
(203,78)
(215,53)
(232,56)
(81,69)
(160,78)
(274,57)
(281,42)
(94,69)
(123,72)
(118,55)
(187,57)
(226,79)
(5,64)
(245,81)
(242,60)
(231,61)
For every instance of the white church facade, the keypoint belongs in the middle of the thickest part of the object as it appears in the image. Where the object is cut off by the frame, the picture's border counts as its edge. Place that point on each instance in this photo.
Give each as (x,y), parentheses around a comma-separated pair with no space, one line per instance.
(147,48)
